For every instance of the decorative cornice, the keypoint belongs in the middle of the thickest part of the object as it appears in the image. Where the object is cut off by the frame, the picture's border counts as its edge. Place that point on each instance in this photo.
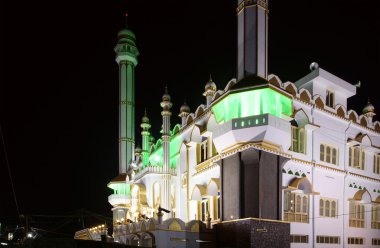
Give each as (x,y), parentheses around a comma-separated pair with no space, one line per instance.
(166,113)
(326,110)
(251,3)
(127,103)
(128,139)
(363,177)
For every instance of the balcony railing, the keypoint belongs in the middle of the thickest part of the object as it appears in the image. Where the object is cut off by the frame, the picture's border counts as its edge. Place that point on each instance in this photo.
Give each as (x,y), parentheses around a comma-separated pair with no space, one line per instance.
(119,199)
(375,225)
(296,217)
(155,170)
(356,223)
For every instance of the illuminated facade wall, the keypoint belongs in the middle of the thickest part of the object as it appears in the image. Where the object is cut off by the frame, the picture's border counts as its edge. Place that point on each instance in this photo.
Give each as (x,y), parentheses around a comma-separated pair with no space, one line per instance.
(196,150)
(289,143)
(252,102)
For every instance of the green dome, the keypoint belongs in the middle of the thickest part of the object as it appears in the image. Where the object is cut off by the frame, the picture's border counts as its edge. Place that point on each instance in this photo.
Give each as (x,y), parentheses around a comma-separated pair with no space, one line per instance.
(126,33)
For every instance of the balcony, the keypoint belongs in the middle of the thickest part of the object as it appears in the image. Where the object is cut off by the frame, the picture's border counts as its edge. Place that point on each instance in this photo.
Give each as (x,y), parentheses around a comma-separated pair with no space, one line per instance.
(154,170)
(257,128)
(119,200)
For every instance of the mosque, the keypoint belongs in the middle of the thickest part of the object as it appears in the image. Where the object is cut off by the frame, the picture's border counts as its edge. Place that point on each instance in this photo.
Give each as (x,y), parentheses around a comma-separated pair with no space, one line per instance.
(261,163)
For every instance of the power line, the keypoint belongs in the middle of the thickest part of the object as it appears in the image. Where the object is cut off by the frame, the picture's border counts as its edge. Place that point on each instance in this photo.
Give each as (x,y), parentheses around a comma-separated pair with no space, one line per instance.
(359,212)
(9,173)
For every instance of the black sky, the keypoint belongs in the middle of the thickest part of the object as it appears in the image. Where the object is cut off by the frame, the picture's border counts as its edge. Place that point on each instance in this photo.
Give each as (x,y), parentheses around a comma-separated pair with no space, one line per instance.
(58,84)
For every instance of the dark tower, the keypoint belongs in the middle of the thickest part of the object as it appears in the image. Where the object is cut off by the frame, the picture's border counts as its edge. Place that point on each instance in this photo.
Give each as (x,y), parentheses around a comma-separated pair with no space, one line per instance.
(252,59)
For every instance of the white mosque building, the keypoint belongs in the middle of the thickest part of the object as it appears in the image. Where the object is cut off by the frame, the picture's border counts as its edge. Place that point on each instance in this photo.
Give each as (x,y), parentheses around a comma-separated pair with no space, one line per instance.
(258,149)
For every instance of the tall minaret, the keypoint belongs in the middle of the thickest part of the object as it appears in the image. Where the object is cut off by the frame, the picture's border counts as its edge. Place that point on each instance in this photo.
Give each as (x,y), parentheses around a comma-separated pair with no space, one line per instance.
(126,57)
(252,59)
(145,134)
(166,113)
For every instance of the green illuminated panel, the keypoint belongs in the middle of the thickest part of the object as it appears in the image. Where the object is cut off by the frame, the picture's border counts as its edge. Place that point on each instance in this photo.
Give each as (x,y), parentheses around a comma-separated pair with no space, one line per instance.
(120,188)
(254,102)
(156,158)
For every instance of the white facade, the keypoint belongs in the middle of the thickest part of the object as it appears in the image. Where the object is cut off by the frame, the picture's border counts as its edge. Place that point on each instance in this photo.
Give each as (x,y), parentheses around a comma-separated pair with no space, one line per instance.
(330,179)
(327,177)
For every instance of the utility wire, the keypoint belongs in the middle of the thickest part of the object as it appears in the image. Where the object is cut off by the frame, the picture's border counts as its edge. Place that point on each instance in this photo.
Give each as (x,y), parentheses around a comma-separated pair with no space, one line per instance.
(44,230)
(9,173)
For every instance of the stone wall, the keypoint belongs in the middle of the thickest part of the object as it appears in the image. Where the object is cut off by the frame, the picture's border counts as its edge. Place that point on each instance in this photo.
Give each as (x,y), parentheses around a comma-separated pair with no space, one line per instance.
(253,233)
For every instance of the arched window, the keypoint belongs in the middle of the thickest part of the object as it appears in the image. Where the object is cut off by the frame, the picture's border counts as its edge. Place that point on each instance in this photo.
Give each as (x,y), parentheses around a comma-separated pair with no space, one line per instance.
(362,212)
(216,207)
(333,209)
(357,215)
(322,152)
(356,157)
(327,209)
(204,209)
(298,139)
(298,203)
(328,154)
(333,161)
(304,204)
(296,207)
(375,217)
(156,195)
(302,140)
(376,164)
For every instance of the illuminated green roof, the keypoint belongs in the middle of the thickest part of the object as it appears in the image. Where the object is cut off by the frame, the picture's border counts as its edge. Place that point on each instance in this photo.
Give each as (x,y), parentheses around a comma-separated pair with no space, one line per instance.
(235,105)
(253,102)
(156,158)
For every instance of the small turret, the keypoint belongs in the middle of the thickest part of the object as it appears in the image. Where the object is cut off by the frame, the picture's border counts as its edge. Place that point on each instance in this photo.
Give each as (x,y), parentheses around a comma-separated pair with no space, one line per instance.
(145,134)
(210,89)
(369,112)
(166,104)
(138,151)
(184,111)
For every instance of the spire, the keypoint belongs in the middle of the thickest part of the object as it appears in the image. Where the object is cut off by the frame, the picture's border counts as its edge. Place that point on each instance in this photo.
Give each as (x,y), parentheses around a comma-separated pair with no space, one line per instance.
(369,108)
(145,119)
(210,89)
(126,19)
(166,104)
(184,111)
(369,112)
(184,108)
(145,135)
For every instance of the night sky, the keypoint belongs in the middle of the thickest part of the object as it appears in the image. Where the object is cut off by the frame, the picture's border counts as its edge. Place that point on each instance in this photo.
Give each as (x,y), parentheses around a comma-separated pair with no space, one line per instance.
(59,79)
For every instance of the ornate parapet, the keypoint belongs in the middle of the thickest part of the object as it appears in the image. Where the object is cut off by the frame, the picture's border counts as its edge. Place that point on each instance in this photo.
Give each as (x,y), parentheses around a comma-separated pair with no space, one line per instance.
(154,170)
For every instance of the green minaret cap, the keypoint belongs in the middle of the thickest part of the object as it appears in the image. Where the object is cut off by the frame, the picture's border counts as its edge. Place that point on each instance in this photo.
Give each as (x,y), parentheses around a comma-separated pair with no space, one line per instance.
(126,34)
